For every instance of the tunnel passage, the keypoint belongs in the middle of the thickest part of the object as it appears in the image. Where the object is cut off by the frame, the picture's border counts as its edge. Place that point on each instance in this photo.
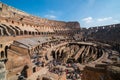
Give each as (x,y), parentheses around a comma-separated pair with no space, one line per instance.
(77,52)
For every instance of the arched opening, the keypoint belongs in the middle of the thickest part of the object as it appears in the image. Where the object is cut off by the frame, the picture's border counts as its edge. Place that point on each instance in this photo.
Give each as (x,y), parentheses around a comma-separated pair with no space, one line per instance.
(58,54)
(22,24)
(16,30)
(34,69)
(24,71)
(2,54)
(53,54)
(12,22)
(21,32)
(32,33)
(25,32)
(42,33)
(29,32)
(6,48)
(36,33)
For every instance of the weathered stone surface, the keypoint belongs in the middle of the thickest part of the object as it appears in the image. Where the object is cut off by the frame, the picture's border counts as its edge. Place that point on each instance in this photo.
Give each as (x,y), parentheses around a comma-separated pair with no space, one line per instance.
(30,44)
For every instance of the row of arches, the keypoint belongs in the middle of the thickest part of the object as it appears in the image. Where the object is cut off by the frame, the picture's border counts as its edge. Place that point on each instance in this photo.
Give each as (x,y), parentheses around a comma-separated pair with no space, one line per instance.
(12,22)
(37,33)
(10,30)
(47,33)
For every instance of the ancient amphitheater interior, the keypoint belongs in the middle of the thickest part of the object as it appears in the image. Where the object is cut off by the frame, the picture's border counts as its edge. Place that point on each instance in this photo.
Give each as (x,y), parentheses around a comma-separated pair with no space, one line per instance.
(34,48)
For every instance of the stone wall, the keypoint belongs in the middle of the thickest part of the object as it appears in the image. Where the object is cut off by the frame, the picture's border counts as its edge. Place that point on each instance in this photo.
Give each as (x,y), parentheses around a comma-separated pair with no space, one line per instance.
(105,33)
(109,34)
(108,72)
(15,60)
(21,19)
(18,49)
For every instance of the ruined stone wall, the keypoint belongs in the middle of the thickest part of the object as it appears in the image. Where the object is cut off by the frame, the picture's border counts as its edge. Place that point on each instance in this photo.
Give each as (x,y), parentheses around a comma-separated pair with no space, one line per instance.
(8,11)
(101,72)
(92,73)
(73,25)
(105,33)
(15,60)
(14,23)
(109,34)
(40,24)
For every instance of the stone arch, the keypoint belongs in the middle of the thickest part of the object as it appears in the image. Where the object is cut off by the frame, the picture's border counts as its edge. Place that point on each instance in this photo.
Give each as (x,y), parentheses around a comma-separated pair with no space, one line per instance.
(21,32)
(25,32)
(36,33)
(6,48)
(57,54)
(53,54)
(29,32)
(22,24)
(24,71)
(41,33)
(2,54)
(33,33)
(12,22)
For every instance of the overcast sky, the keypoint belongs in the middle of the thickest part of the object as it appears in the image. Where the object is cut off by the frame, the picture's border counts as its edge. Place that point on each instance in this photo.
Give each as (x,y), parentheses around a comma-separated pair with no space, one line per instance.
(89,13)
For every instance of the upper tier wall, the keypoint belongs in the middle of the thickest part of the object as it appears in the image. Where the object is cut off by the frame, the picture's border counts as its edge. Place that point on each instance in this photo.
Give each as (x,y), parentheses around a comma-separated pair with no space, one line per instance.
(94,29)
(17,15)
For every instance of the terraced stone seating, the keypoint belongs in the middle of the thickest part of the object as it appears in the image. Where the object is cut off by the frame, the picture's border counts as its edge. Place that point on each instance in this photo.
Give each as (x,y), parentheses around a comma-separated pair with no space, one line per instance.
(4,30)
(8,30)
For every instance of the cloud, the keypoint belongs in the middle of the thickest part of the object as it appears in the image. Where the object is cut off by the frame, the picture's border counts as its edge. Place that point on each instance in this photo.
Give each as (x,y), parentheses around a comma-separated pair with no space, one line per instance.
(50,16)
(90,22)
(88,19)
(104,19)
(116,21)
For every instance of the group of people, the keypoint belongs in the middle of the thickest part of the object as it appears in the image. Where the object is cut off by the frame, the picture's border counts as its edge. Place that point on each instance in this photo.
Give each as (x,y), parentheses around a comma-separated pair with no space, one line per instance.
(73,74)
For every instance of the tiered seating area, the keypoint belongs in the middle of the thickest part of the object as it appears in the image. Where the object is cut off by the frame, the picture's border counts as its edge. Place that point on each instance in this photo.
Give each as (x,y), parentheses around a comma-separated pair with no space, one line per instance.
(30,44)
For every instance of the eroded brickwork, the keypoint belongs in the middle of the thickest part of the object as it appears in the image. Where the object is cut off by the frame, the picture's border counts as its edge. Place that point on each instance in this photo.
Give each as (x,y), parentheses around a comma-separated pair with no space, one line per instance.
(37,48)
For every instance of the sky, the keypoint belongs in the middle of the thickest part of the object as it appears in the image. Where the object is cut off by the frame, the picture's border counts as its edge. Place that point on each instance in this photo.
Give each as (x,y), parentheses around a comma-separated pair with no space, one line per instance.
(88,13)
